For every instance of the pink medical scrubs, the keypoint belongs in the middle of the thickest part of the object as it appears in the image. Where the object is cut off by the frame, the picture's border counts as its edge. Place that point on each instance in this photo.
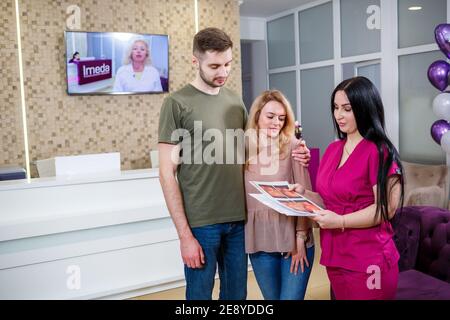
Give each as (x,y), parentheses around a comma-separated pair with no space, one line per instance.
(361,263)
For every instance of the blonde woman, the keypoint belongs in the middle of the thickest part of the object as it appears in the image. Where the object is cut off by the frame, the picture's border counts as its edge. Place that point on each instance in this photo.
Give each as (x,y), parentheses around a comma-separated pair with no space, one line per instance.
(137,74)
(281,248)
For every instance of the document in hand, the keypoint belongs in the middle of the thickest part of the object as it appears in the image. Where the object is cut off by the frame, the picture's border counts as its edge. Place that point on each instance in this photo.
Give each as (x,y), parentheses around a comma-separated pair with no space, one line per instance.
(276,195)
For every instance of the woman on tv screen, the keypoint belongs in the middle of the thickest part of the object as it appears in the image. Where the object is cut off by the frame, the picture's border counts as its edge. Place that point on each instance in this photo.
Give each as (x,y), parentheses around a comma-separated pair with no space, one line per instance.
(75,57)
(137,74)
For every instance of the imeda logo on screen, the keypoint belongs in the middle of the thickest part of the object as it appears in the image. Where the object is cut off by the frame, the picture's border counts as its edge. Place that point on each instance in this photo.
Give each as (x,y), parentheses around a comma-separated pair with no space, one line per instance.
(96,71)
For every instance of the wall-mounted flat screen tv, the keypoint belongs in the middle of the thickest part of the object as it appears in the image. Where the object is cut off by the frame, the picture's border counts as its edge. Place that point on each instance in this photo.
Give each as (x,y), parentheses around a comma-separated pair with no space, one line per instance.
(116,63)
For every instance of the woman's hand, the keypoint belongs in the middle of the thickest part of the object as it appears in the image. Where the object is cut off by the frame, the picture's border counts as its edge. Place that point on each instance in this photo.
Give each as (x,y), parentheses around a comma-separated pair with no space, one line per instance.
(297,188)
(327,219)
(299,257)
(302,154)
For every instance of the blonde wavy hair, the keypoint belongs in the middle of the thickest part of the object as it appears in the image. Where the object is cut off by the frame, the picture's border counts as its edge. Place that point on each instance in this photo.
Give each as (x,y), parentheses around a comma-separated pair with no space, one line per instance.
(252,128)
(127,57)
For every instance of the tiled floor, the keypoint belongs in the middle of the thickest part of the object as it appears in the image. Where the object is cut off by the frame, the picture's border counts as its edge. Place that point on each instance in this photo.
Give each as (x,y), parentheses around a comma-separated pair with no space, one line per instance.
(318,285)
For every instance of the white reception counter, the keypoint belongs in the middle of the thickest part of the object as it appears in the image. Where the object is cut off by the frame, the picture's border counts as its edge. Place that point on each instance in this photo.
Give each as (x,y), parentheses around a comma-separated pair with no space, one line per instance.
(106,236)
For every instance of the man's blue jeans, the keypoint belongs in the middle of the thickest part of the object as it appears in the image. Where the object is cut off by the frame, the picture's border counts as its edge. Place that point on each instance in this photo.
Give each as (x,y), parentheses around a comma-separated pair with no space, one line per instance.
(272,272)
(223,244)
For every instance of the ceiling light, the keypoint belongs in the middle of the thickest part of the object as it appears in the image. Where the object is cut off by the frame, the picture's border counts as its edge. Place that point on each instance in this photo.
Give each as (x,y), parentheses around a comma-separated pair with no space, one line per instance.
(415,8)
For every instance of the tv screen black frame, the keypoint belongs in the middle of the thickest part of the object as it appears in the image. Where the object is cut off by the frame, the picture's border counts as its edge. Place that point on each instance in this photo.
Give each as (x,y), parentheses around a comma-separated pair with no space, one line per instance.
(126,35)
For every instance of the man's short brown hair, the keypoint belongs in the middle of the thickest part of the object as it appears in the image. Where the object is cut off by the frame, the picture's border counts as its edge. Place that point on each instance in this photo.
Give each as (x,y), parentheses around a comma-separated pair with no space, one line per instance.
(211,39)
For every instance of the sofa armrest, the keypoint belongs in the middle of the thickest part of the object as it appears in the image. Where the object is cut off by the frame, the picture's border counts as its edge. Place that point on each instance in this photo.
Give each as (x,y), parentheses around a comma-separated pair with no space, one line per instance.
(434,248)
(406,225)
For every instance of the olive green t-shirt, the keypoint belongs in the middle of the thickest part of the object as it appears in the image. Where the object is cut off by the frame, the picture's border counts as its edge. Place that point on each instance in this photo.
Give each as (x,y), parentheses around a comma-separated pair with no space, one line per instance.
(211,185)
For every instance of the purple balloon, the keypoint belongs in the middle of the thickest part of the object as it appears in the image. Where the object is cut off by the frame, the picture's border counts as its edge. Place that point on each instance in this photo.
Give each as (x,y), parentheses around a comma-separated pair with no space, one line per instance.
(442,36)
(438,129)
(438,74)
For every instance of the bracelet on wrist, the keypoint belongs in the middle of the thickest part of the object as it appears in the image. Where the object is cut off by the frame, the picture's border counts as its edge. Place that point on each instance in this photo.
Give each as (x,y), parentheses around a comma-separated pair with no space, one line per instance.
(301,236)
(343,224)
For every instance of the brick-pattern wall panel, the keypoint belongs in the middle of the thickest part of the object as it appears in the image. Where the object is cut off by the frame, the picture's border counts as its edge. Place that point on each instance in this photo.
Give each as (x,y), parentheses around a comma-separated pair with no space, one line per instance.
(60,124)
(12,151)
(224,14)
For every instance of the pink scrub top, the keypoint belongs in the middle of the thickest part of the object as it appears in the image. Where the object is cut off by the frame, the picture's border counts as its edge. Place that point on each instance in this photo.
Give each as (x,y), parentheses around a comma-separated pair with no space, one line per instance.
(348,189)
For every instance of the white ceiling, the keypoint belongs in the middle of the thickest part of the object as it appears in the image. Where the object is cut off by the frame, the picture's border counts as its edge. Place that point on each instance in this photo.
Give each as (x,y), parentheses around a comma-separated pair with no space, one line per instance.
(267,8)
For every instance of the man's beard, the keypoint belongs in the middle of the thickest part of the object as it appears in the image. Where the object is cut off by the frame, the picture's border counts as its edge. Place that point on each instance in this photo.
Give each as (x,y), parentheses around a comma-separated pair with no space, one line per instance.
(211,83)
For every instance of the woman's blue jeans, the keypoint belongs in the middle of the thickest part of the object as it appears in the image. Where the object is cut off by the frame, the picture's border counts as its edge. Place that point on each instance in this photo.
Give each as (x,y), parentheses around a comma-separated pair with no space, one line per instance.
(272,272)
(223,245)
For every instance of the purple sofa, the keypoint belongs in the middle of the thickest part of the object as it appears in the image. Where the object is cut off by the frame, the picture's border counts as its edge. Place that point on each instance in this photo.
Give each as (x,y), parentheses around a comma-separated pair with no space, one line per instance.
(422,236)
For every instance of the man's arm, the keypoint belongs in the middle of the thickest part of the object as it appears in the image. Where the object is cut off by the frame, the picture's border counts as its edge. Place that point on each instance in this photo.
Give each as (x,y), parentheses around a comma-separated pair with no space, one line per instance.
(191,251)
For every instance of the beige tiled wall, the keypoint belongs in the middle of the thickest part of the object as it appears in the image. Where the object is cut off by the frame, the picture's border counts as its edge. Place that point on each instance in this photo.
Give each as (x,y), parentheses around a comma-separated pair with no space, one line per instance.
(59,124)
(11,131)
(224,15)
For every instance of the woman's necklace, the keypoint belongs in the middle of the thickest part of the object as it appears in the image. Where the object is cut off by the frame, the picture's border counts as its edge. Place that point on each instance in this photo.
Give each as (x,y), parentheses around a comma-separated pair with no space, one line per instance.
(345,149)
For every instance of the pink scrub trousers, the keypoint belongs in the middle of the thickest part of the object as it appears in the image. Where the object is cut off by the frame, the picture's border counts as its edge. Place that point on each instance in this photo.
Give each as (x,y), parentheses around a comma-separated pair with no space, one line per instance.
(351,285)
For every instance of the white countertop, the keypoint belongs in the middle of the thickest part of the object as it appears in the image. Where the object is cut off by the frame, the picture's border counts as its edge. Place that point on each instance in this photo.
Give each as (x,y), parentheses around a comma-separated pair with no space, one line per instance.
(78,179)
(53,205)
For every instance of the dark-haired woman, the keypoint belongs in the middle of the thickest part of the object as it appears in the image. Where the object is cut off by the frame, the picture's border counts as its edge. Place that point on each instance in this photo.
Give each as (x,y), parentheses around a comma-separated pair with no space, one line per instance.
(75,57)
(360,182)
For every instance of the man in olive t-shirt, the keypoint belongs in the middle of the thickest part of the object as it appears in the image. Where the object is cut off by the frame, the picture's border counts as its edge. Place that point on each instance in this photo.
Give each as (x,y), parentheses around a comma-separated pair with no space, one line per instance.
(212,191)
(207,204)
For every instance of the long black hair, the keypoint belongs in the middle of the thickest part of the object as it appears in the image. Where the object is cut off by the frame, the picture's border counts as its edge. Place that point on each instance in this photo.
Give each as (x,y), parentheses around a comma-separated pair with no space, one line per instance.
(369,115)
